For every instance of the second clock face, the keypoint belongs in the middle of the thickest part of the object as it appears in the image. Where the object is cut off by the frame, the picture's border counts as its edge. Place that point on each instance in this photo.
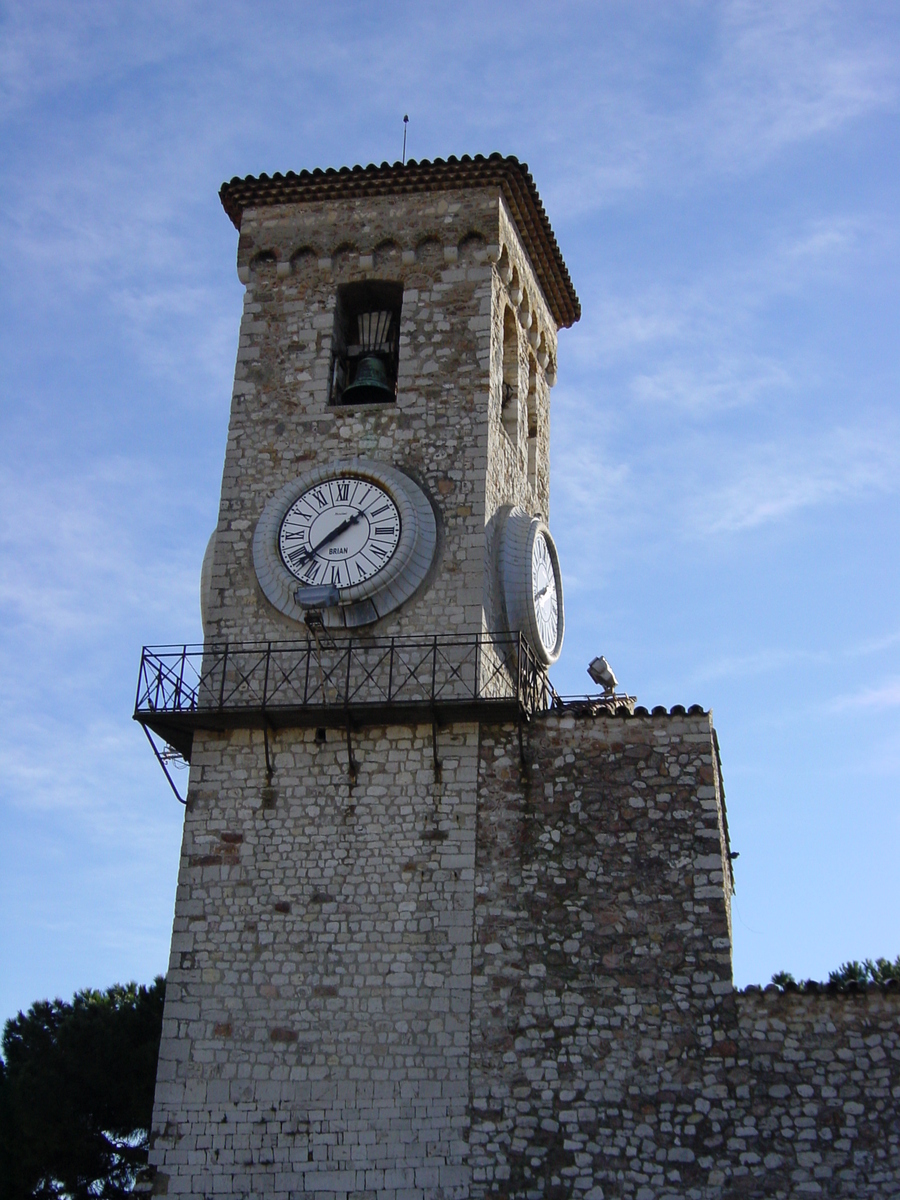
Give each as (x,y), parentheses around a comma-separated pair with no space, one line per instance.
(342,531)
(544,594)
(532,584)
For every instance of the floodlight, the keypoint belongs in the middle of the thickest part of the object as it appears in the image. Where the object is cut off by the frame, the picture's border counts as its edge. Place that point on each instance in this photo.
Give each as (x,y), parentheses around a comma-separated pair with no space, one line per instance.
(601,672)
(324,596)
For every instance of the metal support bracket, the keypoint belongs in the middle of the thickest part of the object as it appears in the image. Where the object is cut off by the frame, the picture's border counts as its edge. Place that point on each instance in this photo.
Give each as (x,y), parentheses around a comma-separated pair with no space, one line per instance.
(162,763)
(270,770)
(438,765)
(352,767)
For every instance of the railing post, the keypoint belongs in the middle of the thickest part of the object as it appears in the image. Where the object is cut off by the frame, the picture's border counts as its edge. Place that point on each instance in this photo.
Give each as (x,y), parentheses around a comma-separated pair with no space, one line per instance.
(476,682)
(222,684)
(347,679)
(266,676)
(137,698)
(434,668)
(391,673)
(180,679)
(308,660)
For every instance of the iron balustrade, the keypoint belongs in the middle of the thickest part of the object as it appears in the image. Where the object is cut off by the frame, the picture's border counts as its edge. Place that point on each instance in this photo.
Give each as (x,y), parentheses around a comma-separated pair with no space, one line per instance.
(319,681)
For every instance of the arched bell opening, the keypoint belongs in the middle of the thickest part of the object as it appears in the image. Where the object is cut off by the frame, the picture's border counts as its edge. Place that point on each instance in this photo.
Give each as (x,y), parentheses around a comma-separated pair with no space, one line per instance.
(509,400)
(531,406)
(365,345)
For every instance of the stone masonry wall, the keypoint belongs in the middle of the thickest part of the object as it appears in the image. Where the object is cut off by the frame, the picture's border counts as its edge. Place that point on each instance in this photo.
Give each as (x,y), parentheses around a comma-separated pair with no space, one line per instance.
(610,1056)
(811,1103)
(316,1026)
(508,480)
(511,980)
(602,951)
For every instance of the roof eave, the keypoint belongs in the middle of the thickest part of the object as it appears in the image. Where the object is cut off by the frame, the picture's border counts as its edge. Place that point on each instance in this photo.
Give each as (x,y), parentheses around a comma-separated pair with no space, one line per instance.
(507,173)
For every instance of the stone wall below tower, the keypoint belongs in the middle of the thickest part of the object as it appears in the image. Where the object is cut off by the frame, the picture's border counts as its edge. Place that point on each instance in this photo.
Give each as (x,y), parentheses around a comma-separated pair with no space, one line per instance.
(602,952)
(811,1103)
(511,979)
(610,1056)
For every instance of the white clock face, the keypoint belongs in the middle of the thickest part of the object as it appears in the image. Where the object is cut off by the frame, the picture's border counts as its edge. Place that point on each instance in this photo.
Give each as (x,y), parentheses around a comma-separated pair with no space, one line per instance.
(544,595)
(532,585)
(342,531)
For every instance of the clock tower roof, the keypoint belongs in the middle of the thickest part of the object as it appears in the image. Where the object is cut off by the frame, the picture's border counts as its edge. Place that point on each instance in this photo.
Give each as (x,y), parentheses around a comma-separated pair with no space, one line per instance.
(440,175)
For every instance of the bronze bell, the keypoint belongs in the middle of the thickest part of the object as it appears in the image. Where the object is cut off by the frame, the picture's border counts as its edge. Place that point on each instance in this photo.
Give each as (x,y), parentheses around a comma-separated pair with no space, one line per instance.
(371,385)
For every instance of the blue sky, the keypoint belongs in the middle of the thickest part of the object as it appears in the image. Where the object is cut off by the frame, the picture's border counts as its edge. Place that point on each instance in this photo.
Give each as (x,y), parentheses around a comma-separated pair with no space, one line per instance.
(723,181)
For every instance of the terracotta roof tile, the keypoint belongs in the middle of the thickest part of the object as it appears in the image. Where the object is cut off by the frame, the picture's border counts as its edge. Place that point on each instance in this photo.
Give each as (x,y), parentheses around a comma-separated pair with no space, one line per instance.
(511,176)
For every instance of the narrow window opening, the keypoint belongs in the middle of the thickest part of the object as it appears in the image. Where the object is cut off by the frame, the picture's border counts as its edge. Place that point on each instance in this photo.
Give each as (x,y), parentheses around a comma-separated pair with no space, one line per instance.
(365,348)
(532,409)
(509,404)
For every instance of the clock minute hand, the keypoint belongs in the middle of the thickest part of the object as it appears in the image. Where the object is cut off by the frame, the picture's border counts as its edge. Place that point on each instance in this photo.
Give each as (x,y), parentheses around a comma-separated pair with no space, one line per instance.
(329,537)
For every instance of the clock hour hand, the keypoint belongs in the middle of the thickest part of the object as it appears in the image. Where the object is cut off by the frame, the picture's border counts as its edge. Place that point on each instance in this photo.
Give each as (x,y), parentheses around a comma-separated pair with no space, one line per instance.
(329,537)
(544,589)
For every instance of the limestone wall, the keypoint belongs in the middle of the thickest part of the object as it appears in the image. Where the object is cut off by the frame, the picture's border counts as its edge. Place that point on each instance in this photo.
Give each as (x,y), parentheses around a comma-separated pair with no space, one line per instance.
(812,1106)
(510,979)
(316,1025)
(602,954)
(610,1056)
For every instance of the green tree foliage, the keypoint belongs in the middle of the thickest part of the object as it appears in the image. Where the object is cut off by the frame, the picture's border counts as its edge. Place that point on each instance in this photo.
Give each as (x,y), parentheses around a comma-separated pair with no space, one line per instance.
(76,1094)
(881,970)
(784,979)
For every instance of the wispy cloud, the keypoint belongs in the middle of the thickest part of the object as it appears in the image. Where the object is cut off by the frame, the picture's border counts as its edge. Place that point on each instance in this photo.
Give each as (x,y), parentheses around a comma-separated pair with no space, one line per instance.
(826,238)
(885,695)
(72,554)
(878,645)
(772,660)
(695,388)
(762,662)
(769,482)
(787,73)
(48,49)
(708,311)
(765,78)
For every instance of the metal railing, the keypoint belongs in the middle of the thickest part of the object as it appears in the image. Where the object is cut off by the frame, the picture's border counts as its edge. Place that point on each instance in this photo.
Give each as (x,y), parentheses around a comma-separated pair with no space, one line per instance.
(312,676)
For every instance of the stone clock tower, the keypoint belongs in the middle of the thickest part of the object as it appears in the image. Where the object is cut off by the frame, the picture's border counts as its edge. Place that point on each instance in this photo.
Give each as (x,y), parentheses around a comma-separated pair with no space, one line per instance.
(400,320)
(381,579)
(438,933)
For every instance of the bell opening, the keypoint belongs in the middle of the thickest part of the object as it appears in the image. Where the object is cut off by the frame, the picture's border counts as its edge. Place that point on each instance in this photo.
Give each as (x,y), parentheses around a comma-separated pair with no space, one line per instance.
(366,343)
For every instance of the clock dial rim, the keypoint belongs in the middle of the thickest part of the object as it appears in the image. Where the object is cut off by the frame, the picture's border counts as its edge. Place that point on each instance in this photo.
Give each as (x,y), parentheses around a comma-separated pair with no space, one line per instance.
(516,570)
(385,590)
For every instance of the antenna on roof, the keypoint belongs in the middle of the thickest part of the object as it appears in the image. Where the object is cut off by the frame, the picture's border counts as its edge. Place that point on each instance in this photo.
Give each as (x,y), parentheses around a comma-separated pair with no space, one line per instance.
(405,123)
